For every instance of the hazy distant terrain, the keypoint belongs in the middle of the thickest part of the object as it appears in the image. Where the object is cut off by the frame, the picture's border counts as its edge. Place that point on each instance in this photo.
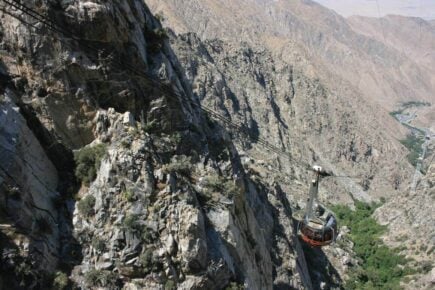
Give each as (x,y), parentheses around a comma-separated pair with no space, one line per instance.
(383,71)
(412,8)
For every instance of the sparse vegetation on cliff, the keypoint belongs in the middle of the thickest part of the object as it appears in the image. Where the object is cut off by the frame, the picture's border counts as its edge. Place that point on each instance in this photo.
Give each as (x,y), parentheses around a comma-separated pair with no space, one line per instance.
(413,143)
(86,205)
(101,278)
(88,161)
(181,165)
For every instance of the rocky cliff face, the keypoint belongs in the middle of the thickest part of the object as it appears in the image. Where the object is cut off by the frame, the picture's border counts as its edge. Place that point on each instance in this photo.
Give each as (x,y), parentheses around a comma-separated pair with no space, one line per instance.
(294,112)
(298,114)
(109,180)
(168,203)
(299,53)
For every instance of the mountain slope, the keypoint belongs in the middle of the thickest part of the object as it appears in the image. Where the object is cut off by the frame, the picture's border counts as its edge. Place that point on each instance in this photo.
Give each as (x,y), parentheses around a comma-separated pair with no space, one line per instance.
(109,181)
(325,36)
(414,38)
(303,78)
(411,36)
(288,30)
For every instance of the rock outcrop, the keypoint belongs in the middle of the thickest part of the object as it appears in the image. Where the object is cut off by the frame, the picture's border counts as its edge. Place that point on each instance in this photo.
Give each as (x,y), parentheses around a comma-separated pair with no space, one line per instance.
(168,203)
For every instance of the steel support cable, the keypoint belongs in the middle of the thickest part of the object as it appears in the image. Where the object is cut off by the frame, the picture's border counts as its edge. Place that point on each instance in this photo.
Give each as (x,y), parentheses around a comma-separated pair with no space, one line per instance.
(164,88)
(168,90)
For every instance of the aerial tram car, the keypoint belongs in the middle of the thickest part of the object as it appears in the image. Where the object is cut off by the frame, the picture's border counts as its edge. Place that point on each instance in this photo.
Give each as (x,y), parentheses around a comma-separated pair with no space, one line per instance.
(318,225)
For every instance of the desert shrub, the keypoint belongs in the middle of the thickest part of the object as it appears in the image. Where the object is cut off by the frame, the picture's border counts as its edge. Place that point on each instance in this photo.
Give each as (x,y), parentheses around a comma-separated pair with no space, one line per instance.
(216,183)
(86,205)
(181,164)
(235,286)
(129,195)
(126,143)
(88,161)
(176,138)
(100,278)
(215,187)
(159,17)
(149,126)
(381,267)
(170,285)
(131,223)
(148,263)
(426,267)
(394,113)
(98,244)
(148,235)
(60,281)
(415,104)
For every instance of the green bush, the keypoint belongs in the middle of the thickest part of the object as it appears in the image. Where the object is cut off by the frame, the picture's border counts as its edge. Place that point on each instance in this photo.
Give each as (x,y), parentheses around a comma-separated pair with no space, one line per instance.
(100,278)
(235,286)
(129,195)
(181,164)
(98,244)
(131,223)
(148,235)
(88,161)
(216,183)
(413,143)
(381,267)
(86,205)
(170,285)
(159,17)
(149,126)
(176,138)
(415,104)
(60,281)
(148,263)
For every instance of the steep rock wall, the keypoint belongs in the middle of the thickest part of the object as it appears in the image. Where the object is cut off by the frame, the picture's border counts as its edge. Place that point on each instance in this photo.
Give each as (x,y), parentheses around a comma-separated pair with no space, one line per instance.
(144,221)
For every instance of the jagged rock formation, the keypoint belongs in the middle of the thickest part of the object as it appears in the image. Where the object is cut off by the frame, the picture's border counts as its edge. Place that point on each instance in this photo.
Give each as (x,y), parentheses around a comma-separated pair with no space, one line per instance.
(297,113)
(170,203)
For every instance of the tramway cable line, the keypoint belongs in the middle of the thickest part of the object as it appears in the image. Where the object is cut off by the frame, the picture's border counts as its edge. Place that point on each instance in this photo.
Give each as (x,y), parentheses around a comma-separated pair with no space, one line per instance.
(318,227)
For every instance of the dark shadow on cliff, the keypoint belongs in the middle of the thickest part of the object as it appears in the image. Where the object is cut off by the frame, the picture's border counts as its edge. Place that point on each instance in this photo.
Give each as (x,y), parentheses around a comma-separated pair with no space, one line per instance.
(321,270)
(63,159)
(21,270)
